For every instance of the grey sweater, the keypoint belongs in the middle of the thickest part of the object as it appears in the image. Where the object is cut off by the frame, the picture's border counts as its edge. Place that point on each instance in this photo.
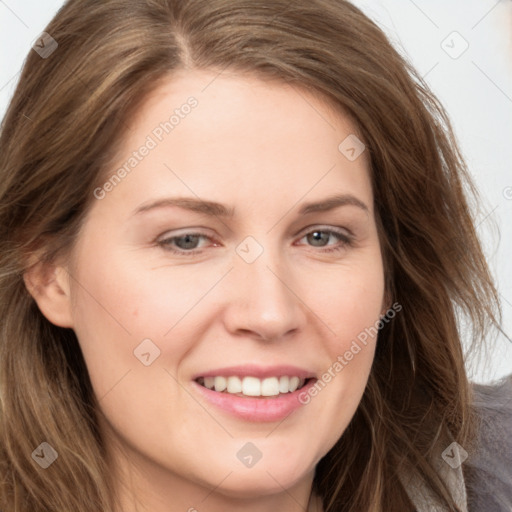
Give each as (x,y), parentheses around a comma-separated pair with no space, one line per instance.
(480,481)
(488,471)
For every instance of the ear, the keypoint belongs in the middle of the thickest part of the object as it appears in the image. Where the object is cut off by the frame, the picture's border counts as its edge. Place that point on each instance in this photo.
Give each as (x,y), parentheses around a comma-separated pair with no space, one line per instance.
(49,286)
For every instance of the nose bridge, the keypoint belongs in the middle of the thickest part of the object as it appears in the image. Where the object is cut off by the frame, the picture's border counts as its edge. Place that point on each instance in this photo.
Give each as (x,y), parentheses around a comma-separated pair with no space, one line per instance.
(260,268)
(264,301)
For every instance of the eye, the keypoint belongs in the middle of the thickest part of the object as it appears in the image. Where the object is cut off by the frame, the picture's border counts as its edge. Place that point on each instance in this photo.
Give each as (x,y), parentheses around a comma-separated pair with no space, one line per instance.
(320,238)
(186,243)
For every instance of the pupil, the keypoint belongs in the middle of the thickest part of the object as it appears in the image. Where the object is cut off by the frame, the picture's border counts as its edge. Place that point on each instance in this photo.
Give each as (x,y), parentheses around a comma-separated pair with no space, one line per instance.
(190,241)
(318,235)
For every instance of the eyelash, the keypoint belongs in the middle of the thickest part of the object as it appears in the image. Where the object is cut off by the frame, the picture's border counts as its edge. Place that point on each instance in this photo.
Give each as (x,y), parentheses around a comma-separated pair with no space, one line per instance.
(346,240)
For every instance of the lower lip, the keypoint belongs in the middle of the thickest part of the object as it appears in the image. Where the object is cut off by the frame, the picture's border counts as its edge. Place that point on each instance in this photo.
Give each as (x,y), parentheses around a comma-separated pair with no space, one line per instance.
(274,408)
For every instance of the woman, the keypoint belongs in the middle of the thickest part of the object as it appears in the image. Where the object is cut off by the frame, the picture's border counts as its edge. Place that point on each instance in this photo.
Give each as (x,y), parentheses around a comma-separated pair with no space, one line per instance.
(236,242)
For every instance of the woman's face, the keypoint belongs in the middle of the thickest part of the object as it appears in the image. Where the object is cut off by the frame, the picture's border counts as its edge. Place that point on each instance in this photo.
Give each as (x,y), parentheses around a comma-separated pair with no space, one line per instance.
(270,268)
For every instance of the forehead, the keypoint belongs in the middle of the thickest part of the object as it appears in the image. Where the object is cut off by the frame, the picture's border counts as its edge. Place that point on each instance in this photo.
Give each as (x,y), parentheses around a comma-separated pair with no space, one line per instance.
(226,136)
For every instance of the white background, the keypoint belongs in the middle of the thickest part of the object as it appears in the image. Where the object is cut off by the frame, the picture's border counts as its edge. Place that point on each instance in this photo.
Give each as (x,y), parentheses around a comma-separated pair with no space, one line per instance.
(475,87)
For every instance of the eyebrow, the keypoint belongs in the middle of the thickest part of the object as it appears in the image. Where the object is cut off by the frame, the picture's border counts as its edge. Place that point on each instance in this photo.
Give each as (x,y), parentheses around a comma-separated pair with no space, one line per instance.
(214,209)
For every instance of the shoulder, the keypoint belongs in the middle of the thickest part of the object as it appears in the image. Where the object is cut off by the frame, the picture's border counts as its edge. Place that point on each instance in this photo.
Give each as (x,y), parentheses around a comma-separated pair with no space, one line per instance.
(488,469)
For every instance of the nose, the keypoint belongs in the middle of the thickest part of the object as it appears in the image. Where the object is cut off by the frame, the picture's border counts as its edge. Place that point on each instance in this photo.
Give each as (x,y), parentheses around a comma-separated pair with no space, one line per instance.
(264,298)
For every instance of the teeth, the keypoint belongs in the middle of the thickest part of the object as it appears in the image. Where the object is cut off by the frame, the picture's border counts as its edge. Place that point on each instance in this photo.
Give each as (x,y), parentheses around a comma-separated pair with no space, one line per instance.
(270,386)
(220,383)
(209,382)
(234,385)
(252,386)
(294,383)
(284,384)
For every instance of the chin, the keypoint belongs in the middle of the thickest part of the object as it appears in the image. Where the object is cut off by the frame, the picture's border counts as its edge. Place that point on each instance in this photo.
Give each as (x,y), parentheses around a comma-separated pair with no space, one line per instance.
(251,484)
(265,478)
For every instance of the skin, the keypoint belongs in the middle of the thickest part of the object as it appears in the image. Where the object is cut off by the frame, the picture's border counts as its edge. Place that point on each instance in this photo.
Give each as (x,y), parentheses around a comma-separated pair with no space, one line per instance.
(264,149)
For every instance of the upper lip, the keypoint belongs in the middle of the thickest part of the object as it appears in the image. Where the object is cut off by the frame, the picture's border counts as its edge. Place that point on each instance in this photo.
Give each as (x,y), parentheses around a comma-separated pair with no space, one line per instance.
(252,370)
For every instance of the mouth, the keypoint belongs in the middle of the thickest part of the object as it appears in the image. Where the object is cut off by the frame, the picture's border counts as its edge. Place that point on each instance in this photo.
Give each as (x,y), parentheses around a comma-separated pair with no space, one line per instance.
(254,387)
(256,393)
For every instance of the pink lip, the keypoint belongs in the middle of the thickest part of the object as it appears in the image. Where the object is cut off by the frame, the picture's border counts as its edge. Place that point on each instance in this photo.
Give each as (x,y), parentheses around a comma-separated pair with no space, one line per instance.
(255,409)
(251,370)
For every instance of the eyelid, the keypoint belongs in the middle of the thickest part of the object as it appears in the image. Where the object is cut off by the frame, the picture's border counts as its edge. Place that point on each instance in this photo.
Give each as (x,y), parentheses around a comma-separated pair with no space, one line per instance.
(326,227)
(173,233)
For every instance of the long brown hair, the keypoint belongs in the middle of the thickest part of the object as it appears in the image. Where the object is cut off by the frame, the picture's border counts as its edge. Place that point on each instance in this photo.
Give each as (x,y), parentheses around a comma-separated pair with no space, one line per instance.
(61,133)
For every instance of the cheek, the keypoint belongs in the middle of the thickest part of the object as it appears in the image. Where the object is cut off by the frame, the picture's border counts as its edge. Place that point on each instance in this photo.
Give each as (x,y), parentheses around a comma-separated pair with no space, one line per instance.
(352,310)
(352,303)
(121,302)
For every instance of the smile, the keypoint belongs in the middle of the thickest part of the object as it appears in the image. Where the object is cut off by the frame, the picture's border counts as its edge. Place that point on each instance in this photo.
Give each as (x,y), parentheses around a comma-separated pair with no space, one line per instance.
(252,386)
